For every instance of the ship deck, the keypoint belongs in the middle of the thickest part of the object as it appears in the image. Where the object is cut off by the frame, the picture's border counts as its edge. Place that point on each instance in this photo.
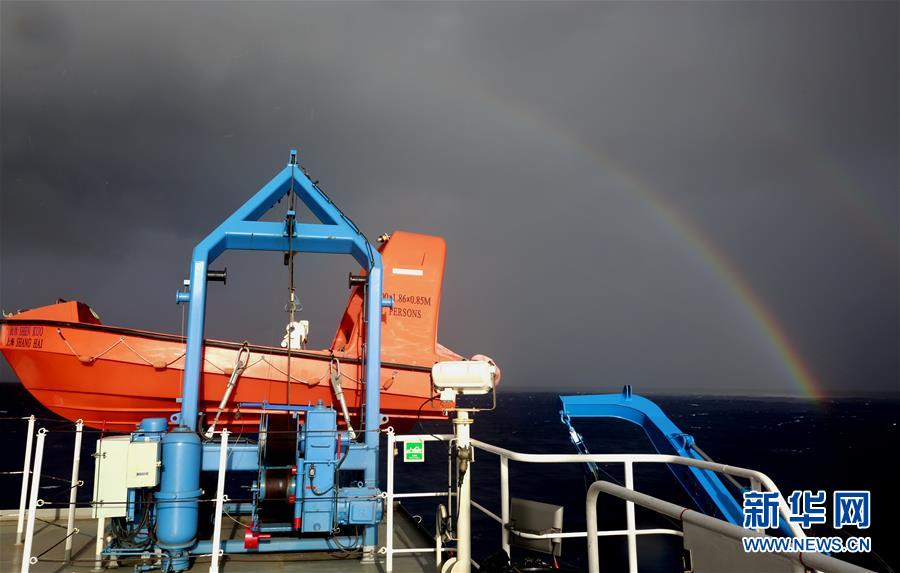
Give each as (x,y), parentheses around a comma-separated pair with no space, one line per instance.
(50,529)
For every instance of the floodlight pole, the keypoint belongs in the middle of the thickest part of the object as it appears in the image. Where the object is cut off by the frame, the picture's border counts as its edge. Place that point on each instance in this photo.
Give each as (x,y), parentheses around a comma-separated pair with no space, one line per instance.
(464,460)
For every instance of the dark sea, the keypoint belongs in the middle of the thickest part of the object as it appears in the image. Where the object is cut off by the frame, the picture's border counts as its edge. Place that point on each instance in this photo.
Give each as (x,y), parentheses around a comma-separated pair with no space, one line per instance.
(840,444)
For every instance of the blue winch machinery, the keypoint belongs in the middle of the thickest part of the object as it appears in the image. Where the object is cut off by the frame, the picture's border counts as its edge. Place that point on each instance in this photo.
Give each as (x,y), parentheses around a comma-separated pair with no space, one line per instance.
(312,486)
(302,486)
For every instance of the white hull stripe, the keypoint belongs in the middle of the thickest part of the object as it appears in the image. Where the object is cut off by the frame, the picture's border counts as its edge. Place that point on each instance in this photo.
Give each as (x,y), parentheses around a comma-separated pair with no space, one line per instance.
(408,272)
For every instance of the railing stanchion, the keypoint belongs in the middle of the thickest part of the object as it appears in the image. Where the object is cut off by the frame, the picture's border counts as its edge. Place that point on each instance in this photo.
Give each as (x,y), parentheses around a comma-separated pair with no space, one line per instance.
(630,521)
(98,548)
(593,546)
(389,533)
(756,486)
(33,499)
(220,500)
(26,472)
(504,503)
(73,491)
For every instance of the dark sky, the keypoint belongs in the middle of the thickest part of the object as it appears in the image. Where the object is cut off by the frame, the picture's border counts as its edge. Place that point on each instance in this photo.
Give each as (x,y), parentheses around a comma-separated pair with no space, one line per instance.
(687,196)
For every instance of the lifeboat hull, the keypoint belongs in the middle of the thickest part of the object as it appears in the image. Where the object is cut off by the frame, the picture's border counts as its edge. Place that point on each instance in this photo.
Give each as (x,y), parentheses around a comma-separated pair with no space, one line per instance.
(111,378)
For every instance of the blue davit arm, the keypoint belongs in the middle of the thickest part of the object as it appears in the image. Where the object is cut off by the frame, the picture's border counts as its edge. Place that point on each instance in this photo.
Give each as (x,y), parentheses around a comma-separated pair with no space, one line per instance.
(704,486)
(243,230)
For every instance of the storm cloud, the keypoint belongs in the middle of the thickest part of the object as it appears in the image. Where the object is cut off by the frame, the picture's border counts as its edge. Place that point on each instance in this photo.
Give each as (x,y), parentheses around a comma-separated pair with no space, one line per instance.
(672,195)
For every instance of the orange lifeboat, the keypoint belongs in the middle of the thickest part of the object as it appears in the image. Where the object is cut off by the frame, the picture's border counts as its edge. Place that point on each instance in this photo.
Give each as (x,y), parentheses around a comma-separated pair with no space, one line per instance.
(112,377)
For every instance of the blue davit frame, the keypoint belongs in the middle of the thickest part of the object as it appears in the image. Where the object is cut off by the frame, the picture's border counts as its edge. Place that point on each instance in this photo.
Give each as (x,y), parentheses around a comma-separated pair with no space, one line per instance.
(334,234)
(704,486)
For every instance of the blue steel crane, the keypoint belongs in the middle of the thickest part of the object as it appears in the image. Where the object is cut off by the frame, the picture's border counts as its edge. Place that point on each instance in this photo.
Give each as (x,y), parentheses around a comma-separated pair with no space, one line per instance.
(164,513)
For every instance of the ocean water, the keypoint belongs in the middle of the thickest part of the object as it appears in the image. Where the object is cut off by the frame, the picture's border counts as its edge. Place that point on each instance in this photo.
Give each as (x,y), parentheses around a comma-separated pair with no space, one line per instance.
(837,444)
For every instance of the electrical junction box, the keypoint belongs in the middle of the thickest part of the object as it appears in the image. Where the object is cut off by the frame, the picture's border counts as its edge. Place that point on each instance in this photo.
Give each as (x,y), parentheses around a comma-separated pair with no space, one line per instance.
(363,512)
(143,464)
(110,491)
(120,464)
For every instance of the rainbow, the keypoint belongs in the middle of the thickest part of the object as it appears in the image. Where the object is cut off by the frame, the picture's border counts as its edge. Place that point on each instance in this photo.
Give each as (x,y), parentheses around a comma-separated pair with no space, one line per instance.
(760,317)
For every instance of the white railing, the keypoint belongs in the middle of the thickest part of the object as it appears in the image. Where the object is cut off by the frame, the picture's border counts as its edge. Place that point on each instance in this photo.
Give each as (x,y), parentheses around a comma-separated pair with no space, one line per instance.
(758,482)
(27,559)
(391,495)
(26,474)
(29,500)
(220,502)
(802,562)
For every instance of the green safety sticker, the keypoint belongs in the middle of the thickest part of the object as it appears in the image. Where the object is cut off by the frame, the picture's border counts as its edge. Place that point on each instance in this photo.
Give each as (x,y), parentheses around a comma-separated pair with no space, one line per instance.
(413,451)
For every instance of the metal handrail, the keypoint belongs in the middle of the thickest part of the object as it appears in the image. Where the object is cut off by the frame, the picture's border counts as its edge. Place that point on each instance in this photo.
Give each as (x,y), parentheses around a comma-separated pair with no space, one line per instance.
(572,534)
(762,478)
(758,480)
(817,561)
(390,495)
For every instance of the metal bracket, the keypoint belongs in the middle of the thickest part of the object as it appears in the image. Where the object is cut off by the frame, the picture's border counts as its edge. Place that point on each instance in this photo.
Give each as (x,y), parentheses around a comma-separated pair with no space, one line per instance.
(704,486)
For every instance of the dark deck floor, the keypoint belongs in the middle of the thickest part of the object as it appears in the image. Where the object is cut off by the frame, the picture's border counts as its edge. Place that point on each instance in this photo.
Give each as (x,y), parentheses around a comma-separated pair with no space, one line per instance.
(50,528)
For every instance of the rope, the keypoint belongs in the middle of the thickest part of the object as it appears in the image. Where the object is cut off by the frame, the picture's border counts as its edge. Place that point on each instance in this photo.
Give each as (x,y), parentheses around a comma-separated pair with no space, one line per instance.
(83,357)
(158,365)
(316,382)
(229,516)
(46,551)
(50,523)
(214,365)
(351,378)
(292,307)
(63,490)
(53,477)
(88,359)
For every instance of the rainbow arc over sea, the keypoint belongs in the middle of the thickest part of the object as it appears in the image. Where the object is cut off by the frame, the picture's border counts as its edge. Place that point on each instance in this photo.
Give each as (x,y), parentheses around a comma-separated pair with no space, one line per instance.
(763,320)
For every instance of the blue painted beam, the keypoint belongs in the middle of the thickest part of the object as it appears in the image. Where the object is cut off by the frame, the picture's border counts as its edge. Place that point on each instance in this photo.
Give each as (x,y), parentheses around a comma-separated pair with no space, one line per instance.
(240,457)
(335,234)
(704,486)
(373,385)
(267,236)
(245,457)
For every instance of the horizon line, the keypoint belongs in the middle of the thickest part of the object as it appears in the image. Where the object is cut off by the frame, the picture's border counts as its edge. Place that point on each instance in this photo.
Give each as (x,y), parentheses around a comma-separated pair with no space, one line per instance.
(875,395)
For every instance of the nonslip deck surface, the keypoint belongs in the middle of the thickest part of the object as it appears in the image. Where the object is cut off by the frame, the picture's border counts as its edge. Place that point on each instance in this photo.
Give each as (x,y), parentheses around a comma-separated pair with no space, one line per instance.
(49,529)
